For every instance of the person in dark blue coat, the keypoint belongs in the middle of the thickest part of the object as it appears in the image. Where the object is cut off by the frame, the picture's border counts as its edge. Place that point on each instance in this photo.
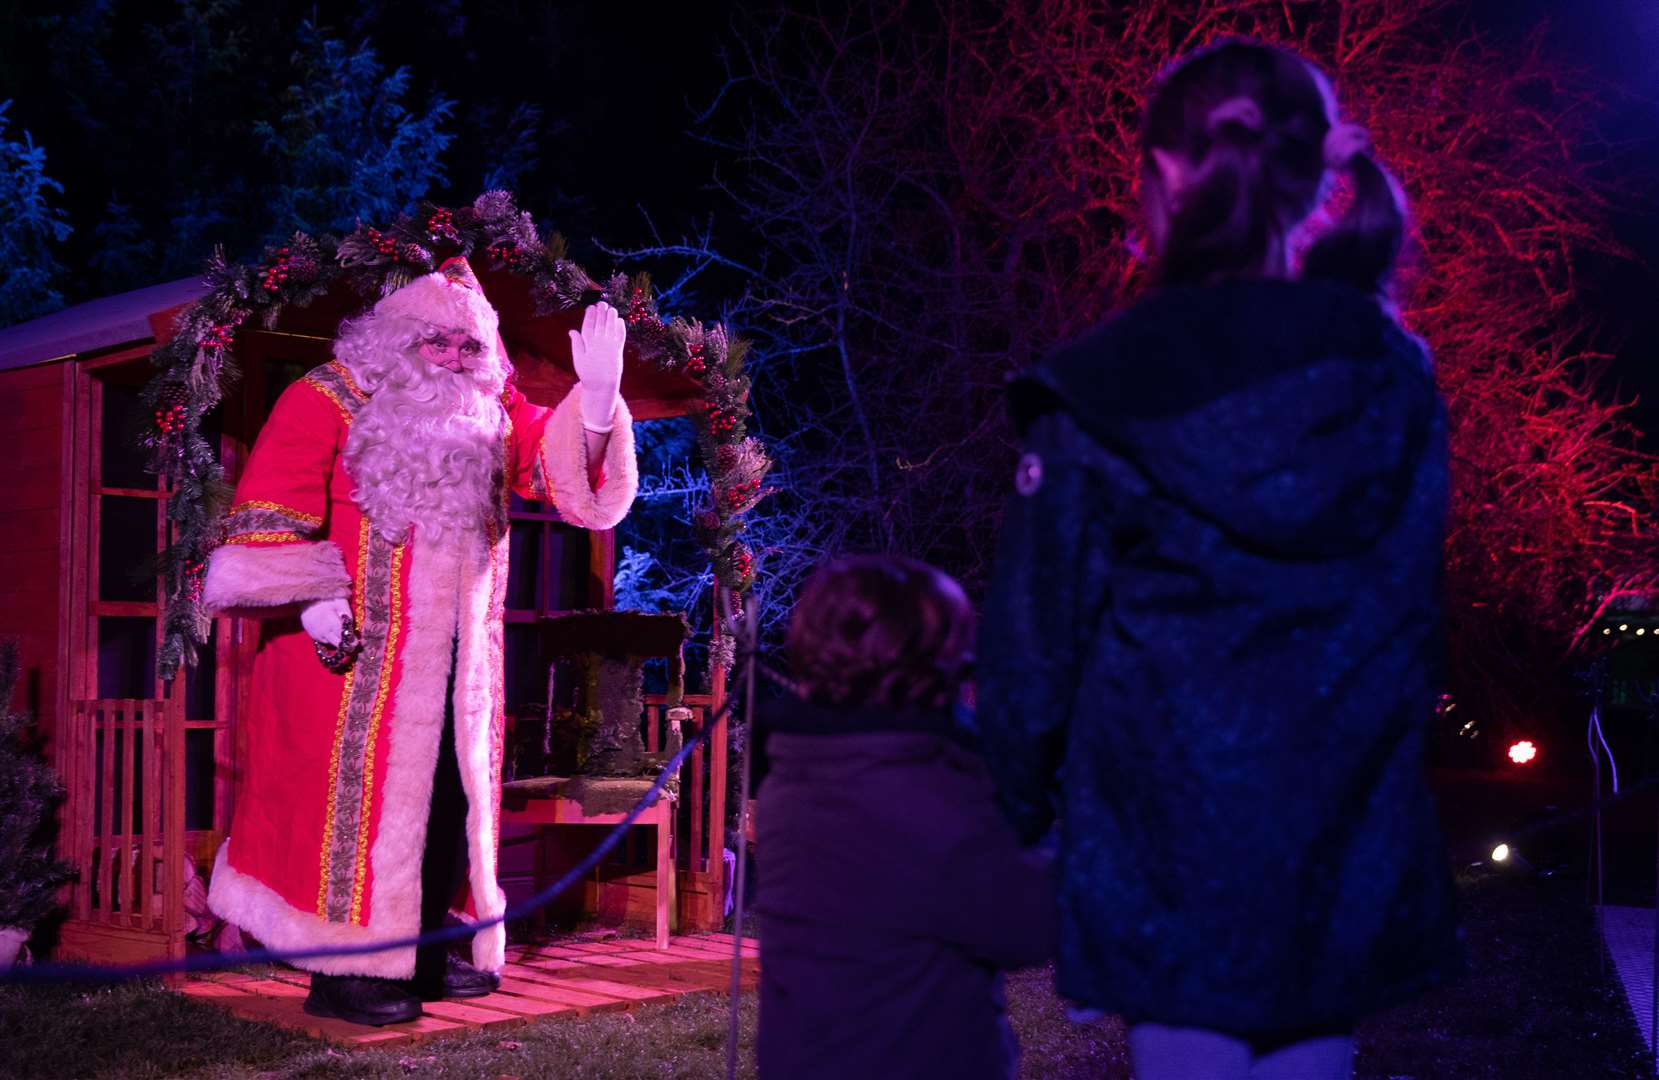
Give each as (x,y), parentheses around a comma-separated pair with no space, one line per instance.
(1213,639)
(892,893)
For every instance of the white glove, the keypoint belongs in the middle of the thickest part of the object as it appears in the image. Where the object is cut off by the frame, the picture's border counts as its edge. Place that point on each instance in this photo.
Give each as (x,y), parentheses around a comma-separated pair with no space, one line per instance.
(321,619)
(596,353)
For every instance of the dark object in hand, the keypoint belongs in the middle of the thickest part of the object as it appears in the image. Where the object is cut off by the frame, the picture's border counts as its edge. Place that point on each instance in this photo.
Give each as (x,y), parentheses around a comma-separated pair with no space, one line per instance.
(339,658)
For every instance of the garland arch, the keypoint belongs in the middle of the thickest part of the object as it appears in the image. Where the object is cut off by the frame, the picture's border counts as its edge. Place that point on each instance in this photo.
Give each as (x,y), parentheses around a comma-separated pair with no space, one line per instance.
(198,362)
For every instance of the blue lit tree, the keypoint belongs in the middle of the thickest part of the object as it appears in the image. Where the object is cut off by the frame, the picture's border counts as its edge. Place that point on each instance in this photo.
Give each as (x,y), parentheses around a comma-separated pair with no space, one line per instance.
(346,146)
(30,228)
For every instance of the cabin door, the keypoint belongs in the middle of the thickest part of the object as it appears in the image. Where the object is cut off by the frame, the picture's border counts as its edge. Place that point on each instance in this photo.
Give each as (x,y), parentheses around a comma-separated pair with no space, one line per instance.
(146,761)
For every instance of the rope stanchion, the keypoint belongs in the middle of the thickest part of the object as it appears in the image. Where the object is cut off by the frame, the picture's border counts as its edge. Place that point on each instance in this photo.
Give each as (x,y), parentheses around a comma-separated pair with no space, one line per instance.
(751,647)
(220,961)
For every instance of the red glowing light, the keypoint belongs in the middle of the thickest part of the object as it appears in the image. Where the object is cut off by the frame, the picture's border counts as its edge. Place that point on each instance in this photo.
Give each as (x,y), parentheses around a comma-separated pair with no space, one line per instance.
(1523,752)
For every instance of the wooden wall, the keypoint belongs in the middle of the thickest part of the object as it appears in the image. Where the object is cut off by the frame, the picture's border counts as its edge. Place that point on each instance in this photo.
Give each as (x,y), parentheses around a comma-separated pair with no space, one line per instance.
(32,469)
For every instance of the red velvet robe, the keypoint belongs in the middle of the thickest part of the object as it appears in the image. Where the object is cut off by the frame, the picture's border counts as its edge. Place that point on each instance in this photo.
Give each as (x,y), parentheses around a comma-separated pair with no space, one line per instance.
(332,797)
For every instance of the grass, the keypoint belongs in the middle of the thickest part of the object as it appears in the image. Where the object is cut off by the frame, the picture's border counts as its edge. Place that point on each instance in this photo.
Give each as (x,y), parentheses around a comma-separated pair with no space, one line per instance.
(1536,1005)
(143,1032)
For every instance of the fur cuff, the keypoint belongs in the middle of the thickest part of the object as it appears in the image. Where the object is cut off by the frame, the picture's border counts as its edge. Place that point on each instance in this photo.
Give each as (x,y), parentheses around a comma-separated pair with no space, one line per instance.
(254,581)
(489,947)
(564,463)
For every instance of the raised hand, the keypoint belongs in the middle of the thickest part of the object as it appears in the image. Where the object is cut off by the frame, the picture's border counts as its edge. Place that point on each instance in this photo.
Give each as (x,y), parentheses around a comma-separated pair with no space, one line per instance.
(596,353)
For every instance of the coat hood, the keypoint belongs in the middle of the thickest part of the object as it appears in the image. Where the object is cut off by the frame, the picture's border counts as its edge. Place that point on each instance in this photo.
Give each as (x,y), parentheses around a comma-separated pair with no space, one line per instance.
(1292,415)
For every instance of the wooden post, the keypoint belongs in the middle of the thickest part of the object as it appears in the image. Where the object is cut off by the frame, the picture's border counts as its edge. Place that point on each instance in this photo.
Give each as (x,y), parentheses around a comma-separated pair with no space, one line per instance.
(64,745)
(665,867)
(154,829)
(172,772)
(717,755)
(602,570)
(79,805)
(102,803)
(130,714)
(695,858)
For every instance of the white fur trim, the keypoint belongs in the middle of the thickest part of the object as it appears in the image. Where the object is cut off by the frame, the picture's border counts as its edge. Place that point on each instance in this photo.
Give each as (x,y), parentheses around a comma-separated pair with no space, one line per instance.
(246,580)
(476,683)
(416,717)
(434,299)
(250,905)
(565,461)
(446,580)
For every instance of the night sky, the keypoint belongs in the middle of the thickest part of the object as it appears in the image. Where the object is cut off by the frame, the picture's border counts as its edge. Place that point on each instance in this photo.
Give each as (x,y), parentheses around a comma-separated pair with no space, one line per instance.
(619,89)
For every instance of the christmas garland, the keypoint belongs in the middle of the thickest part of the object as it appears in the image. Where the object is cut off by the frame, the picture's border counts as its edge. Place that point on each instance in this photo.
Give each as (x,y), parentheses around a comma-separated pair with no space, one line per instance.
(194,367)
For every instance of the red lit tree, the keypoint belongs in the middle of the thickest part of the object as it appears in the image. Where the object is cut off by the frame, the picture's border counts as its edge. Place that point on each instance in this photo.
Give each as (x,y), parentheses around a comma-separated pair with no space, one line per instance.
(950,189)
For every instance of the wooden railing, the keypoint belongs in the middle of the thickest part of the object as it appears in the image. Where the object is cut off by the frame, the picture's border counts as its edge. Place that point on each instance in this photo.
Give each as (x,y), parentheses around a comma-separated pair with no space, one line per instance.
(701,818)
(123,827)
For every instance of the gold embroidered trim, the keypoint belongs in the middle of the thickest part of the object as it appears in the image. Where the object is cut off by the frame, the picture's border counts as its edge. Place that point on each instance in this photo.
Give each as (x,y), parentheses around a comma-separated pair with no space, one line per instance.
(265,504)
(328,393)
(539,483)
(266,538)
(351,383)
(381,695)
(340,724)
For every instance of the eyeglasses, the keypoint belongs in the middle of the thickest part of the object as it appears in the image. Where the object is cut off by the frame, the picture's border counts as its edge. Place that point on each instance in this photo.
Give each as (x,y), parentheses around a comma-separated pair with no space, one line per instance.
(442,339)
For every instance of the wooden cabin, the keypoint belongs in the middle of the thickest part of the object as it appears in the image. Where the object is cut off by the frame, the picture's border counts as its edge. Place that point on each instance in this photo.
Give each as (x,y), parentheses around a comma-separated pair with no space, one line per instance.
(151,767)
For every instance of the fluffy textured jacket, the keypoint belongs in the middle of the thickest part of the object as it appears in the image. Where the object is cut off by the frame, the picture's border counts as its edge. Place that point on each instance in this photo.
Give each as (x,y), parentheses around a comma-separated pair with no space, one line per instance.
(334,790)
(1211,648)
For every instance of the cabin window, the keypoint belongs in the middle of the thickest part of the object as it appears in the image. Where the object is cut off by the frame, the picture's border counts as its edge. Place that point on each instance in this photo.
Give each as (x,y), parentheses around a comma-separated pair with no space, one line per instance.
(548,572)
(126,656)
(125,529)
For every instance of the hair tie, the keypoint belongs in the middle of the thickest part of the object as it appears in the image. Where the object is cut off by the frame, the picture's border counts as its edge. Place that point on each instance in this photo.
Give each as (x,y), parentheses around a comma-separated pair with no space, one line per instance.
(1241,110)
(1344,143)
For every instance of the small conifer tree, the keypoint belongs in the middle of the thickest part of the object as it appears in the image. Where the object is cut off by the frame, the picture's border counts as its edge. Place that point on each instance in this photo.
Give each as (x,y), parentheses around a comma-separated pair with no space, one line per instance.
(30,871)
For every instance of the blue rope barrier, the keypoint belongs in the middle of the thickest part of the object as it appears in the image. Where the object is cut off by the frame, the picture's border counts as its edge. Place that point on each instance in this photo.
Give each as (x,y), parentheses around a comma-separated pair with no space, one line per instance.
(218,961)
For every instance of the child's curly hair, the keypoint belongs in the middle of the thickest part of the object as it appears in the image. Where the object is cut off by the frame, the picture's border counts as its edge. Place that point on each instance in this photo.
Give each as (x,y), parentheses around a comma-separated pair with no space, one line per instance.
(881,630)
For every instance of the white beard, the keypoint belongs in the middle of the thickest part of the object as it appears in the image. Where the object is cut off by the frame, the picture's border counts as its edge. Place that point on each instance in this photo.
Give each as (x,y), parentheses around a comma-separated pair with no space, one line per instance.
(425,449)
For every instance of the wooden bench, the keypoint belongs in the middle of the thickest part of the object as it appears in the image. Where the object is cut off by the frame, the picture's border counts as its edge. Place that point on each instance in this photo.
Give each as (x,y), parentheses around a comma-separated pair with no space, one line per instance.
(581,800)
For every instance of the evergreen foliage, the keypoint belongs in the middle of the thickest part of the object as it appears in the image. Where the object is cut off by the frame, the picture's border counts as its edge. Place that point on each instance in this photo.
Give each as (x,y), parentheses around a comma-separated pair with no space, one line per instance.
(30,872)
(201,123)
(30,227)
(345,147)
(126,253)
(194,366)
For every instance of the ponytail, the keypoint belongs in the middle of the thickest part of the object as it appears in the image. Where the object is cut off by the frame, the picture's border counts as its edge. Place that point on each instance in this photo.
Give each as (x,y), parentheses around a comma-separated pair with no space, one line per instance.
(1255,127)
(1363,248)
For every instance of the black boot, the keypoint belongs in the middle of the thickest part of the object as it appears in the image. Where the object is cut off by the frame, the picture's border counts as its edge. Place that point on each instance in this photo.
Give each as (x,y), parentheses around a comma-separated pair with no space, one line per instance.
(360,999)
(461,980)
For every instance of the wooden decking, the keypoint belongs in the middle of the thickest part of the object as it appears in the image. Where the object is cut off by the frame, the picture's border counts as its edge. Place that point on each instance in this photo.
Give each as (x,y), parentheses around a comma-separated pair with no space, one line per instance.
(569,978)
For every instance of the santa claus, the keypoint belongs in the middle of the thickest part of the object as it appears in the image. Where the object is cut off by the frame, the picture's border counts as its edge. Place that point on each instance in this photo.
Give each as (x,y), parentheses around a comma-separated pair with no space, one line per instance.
(369,531)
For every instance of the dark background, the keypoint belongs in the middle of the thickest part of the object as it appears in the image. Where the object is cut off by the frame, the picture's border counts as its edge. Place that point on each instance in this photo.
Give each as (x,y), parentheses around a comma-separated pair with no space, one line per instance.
(120,116)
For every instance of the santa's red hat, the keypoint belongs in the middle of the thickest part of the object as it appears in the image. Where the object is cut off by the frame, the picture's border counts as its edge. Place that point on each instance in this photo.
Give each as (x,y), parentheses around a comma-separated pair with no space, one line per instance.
(449,297)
